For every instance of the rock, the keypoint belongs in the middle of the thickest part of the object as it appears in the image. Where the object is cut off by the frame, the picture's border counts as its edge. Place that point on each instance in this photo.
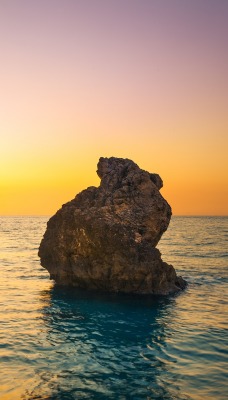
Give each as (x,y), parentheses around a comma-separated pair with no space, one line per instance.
(106,237)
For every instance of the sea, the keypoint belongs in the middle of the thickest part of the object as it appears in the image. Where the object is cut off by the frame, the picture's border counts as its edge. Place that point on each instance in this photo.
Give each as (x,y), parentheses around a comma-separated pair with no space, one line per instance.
(63,344)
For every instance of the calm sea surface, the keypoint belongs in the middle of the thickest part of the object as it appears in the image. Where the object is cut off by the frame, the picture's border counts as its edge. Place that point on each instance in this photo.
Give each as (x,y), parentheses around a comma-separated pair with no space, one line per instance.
(60,344)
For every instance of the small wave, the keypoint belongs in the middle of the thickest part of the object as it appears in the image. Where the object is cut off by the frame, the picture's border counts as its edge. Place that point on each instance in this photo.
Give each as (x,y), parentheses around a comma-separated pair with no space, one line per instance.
(68,344)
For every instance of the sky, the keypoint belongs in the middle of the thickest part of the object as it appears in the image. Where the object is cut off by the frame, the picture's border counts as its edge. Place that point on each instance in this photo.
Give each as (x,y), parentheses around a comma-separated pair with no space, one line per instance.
(139,79)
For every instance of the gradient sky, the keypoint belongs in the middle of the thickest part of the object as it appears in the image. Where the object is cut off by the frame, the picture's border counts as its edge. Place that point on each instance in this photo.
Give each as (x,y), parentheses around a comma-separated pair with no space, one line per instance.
(141,79)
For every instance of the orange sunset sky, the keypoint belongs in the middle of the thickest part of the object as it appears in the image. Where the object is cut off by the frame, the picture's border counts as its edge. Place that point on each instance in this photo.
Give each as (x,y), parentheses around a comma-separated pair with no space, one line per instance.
(139,79)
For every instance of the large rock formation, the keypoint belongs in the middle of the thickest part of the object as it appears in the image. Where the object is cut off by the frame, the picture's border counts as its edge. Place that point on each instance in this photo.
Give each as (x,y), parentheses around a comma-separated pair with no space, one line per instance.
(105,238)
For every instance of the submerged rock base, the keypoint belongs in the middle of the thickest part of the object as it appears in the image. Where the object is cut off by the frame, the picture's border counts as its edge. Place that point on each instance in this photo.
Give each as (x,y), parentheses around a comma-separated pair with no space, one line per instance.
(105,238)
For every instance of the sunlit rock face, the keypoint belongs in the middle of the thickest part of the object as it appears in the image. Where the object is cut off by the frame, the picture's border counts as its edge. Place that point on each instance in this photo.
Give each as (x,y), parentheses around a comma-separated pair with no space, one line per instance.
(105,238)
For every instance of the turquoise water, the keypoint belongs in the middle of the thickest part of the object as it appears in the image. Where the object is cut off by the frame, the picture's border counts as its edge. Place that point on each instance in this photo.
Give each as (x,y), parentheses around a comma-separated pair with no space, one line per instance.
(60,344)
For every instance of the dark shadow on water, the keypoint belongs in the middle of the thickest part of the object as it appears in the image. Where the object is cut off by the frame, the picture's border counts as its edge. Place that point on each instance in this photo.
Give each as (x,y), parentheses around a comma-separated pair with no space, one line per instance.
(75,296)
(105,346)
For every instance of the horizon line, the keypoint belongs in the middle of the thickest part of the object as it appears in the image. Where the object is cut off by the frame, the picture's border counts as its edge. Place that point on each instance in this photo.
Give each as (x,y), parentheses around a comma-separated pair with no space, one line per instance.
(173,215)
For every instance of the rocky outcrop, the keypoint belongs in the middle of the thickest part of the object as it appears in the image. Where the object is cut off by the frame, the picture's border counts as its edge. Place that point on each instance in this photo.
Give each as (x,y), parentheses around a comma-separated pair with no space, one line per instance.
(106,237)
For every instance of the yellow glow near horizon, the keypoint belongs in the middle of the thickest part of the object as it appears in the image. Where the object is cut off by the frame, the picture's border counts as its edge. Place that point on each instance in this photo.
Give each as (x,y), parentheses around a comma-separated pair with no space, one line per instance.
(38,178)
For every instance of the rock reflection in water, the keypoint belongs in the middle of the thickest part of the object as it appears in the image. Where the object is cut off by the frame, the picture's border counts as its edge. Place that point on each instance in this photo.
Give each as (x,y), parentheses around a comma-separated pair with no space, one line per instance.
(99,346)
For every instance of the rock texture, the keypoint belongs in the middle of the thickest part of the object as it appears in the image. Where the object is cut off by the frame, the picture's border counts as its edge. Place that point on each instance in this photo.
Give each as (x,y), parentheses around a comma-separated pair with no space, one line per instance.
(106,237)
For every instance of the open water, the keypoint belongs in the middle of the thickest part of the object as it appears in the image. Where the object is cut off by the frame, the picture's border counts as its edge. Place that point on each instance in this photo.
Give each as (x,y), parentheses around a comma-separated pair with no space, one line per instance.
(58,344)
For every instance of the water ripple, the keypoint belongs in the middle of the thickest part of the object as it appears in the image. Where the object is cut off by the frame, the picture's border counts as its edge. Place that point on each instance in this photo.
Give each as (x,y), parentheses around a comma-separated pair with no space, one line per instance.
(63,344)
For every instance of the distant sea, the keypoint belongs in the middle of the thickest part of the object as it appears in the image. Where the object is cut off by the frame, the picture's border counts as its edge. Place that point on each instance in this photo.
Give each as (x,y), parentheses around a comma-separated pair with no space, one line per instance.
(64,344)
